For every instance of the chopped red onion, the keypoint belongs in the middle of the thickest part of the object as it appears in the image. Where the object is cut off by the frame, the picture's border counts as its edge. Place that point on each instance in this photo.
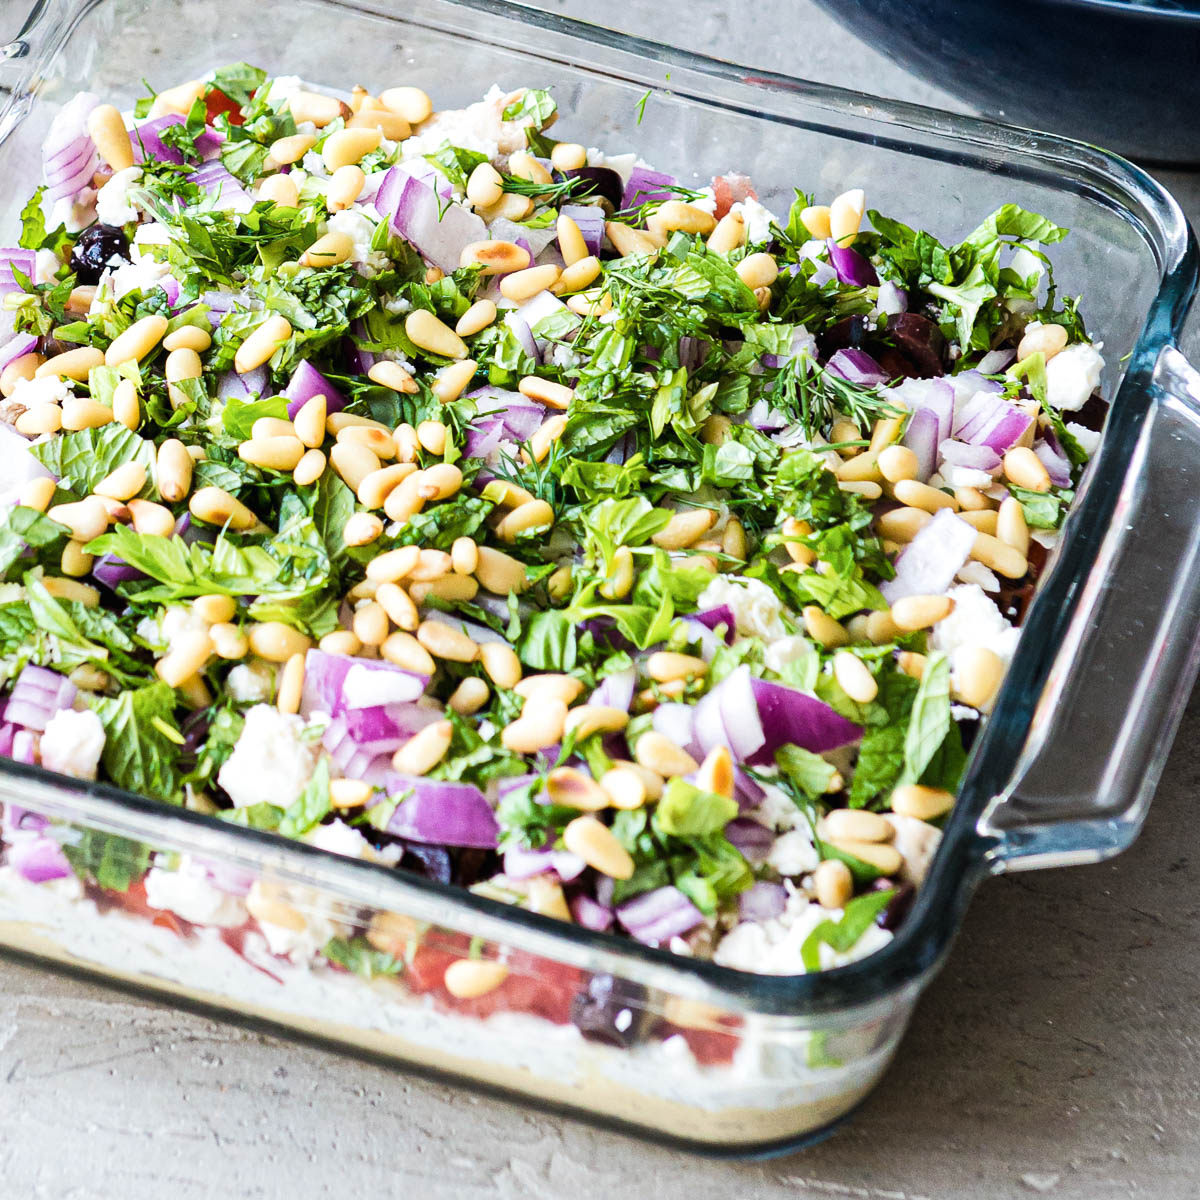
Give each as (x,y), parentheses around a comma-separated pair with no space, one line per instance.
(616,690)
(789,716)
(483,437)
(438,230)
(520,863)
(850,266)
(714,618)
(656,917)
(39,859)
(752,838)
(891,299)
(110,570)
(994,361)
(524,321)
(36,696)
(1058,466)
(762,901)
(675,722)
(307,382)
(147,142)
(987,420)
(69,158)
(591,914)
(646,186)
(929,563)
(26,262)
(19,344)
(442,813)
(933,394)
(920,437)
(23,746)
(857,366)
(964,454)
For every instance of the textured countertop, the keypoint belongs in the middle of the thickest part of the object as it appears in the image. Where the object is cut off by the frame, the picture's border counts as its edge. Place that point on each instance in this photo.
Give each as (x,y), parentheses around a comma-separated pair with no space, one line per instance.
(1057,1054)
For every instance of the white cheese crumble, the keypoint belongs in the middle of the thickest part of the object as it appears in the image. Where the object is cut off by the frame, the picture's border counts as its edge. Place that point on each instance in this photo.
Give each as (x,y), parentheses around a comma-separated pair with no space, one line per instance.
(793,853)
(72,743)
(253,680)
(45,264)
(1072,375)
(269,763)
(1088,439)
(758,219)
(339,838)
(360,231)
(47,390)
(189,894)
(975,621)
(785,653)
(113,206)
(755,608)
(917,841)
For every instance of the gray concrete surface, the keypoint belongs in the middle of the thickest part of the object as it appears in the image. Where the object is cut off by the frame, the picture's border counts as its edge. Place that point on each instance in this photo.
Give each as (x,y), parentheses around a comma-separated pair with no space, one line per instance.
(1058,1053)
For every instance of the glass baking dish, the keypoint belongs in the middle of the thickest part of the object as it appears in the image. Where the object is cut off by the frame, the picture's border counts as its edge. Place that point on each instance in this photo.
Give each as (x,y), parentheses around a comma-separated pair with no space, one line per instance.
(696,1054)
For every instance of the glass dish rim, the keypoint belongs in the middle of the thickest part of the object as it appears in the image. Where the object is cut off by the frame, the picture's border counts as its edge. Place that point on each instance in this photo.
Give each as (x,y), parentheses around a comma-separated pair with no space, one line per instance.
(962,858)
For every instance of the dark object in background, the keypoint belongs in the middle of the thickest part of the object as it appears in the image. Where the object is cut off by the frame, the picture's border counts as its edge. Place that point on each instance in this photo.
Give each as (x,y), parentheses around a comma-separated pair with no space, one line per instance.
(1123,74)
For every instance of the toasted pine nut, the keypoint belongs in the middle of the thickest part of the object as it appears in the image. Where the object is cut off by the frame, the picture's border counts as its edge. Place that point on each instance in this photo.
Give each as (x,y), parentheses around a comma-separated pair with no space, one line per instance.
(524,285)
(353,462)
(328,251)
(137,341)
(664,665)
(188,337)
(885,858)
(379,441)
(500,573)
(881,629)
(733,540)
(444,641)
(75,560)
(977,675)
(685,528)
(485,186)
(563,687)
(595,843)
(188,654)
(911,613)
(478,317)
(923,803)
(399,606)
(277,642)
(393,564)
(426,332)
(898,463)
(757,270)
(411,103)
(845,216)
(470,977)
(216,610)
(215,506)
(544,437)
(716,772)
(674,215)
(107,127)
(625,788)
(309,424)
(1011,527)
(71,589)
(658,753)
(262,343)
(574,789)
(619,583)
(312,106)
(578,276)
(729,234)
(349,793)
(832,880)
(571,243)
(501,664)
(997,556)
(310,468)
(432,436)
(281,190)
(921,495)
(469,697)
(340,641)
(496,258)
(857,824)
(798,553)
(344,188)
(21,368)
(124,483)
(39,419)
(535,515)
(375,488)
(912,664)
(290,685)
(540,725)
(822,628)
(868,489)
(424,750)
(81,299)
(73,364)
(229,642)
(815,219)
(1025,469)
(272,453)
(370,623)
(338,422)
(268,427)
(546,391)
(452,381)
(177,99)
(439,482)
(1046,340)
(86,519)
(985,521)
(855,679)
(37,493)
(902,524)
(291,149)
(403,650)
(152,518)
(362,529)
(81,412)
(408,445)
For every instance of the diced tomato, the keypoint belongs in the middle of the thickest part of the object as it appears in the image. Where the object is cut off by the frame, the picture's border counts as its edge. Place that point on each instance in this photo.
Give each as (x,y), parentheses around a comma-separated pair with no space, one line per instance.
(427,967)
(730,190)
(710,1046)
(538,987)
(133,900)
(217,102)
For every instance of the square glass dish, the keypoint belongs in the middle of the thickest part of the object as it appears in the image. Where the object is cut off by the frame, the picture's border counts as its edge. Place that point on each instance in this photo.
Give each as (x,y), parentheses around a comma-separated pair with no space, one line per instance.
(693,1053)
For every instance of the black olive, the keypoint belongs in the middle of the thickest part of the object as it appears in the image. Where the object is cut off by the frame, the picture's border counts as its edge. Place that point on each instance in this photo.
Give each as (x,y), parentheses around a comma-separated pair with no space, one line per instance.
(897,907)
(607,186)
(470,866)
(920,341)
(94,247)
(610,1010)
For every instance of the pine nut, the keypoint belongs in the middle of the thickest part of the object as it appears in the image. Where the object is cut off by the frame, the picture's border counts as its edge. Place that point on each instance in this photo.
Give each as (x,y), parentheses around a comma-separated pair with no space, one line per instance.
(262,343)
(86,519)
(911,613)
(404,651)
(854,677)
(798,553)
(73,364)
(215,506)
(431,564)
(595,843)
(229,642)
(902,524)
(399,606)
(379,441)
(338,422)
(439,482)
(996,556)
(277,642)
(845,216)
(822,628)
(451,588)
(757,270)
(353,462)
(424,750)
(1011,527)
(443,641)
(269,427)
(1046,340)
(281,190)
(563,687)
(340,641)
(452,381)
(21,368)
(328,251)
(496,258)
(972,499)
(885,858)
(815,219)
(832,880)
(898,463)
(857,824)
(977,675)
(1026,470)
(310,468)
(393,565)
(469,697)
(272,453)
(411,103)
(485,186)
(37,493)
(685,528)
(544,437)
(501,664)
(189,652)
(546,391)
(912,664)
(349,793)
(362,529)
(311,106)
(375,488)
(432,436)
(468,978)
(408,445)
(345,187)
(215,610)
(571,243)
(535,515)
(574,789)
(290,685)
(678,215)
(658,753)
(71,589)
(624,788)
(137,341)
(500,573)
(593,303)
(520,286)
(546,897)
(187,337)
(125,406)
(522,165)
(729,234)
(866,489)
(540,725)
(39,419)
(733,540)
(716,772)
(619,583)
(663,666)
(577,276)
(151,518)
(923,803)
(426,332)
(291,149)
(478,317)
(124,483)
(75,560)
(391,125)
(370,623)
(985,521)
(108,131)
(81,299)
(81,412)
(921,495)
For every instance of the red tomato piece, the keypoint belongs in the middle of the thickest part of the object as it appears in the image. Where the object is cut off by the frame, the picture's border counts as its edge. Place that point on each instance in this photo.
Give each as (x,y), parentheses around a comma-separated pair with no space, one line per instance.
(730,190)
(216,102)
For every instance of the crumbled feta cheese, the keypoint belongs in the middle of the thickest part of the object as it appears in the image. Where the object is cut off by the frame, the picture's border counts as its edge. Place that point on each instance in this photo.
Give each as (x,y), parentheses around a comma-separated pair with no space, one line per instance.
(75,212)
(793,853)
(339,838)
(758,219)
(777,810)
(1088,439)
(113,206)
(45,264)
(477,127)
(142,274)
(360,231)
(756,608)
(774,947)
(785,654)
(1025,262)
(48,389)
(917,841)
(283,88)
(975,621)
(270,762)
(954,476)
(72,743)
(188,893)
(977,573)
(705,200)
(1072,375)
(253,680)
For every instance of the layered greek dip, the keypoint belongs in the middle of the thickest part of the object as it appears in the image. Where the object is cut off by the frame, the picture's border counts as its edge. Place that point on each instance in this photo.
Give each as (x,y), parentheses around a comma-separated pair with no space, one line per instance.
(492,507)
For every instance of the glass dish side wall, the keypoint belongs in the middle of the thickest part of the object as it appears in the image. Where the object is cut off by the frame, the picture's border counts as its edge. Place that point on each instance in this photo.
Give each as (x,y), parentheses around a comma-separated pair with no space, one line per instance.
(792,134)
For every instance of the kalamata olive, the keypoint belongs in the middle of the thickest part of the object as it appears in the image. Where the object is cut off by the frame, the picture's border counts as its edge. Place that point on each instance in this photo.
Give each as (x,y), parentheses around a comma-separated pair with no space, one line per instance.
(897,908)
(470,866)
(920,341)
(1093,414)
(431,861)
(611,1010)
(607,185)
(848,333)
(93,249)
